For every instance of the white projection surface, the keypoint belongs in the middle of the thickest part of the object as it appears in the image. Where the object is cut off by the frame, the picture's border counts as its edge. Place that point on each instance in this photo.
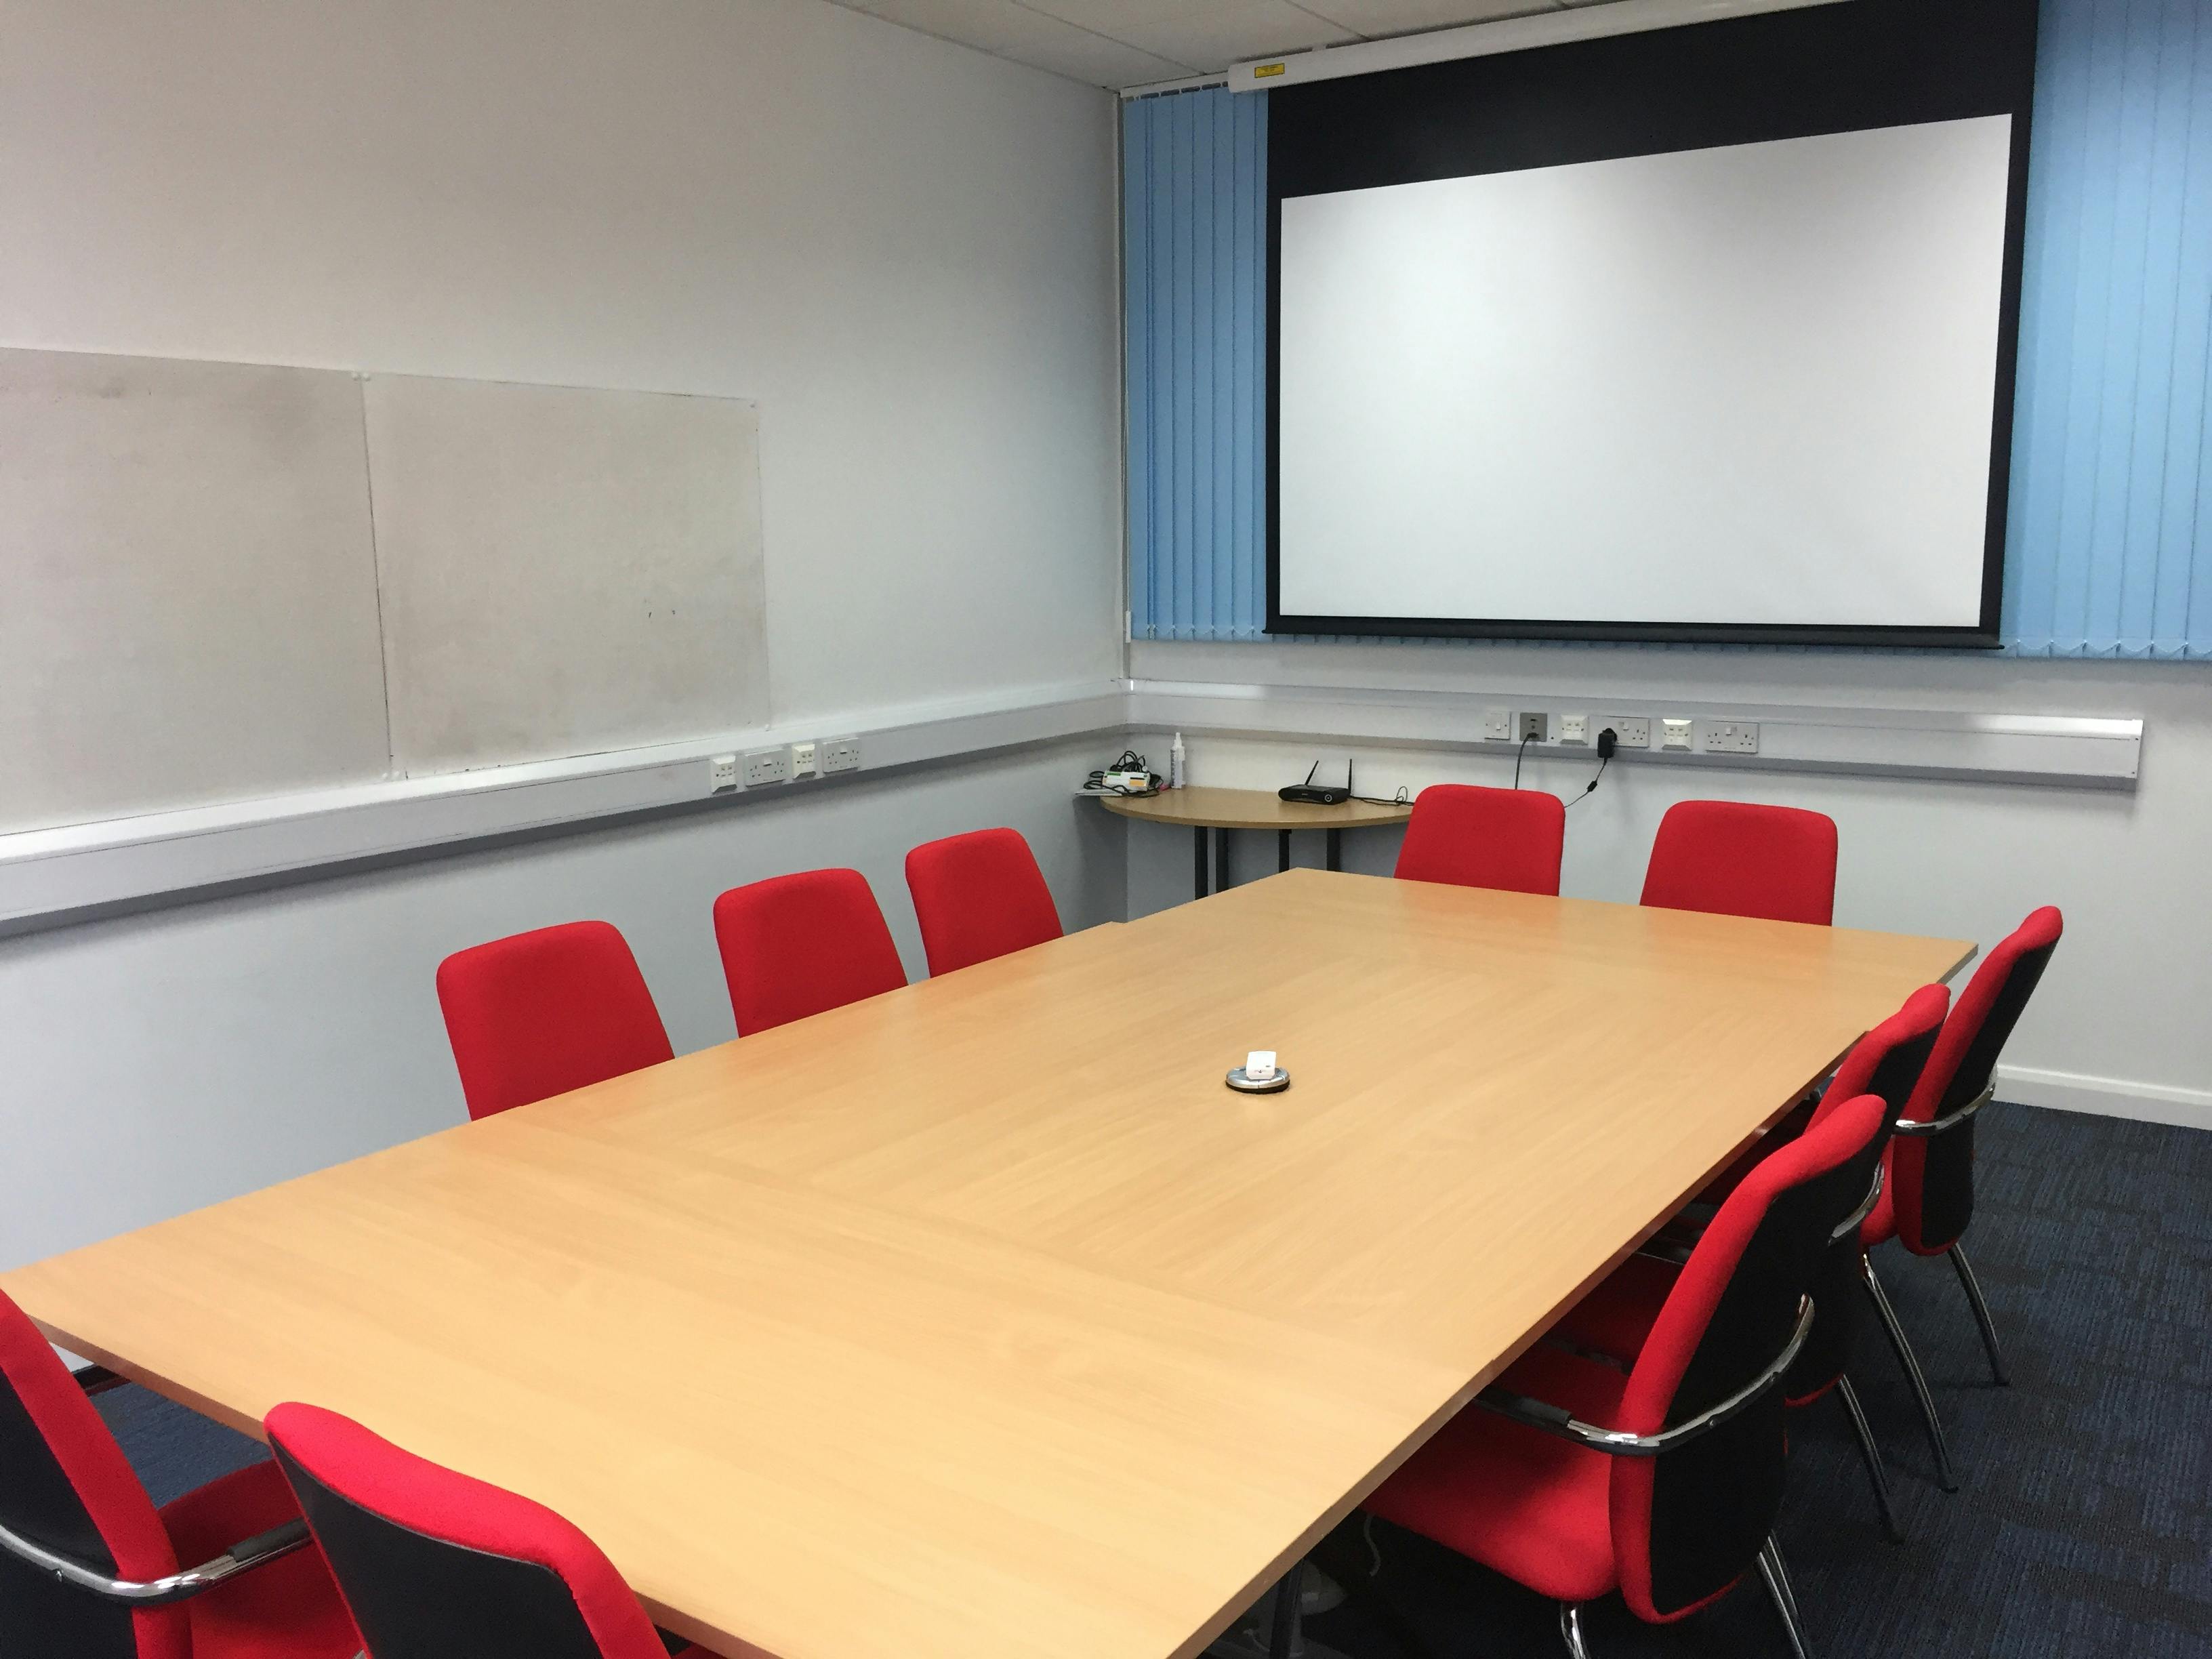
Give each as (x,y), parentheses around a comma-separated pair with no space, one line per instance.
(1747,385)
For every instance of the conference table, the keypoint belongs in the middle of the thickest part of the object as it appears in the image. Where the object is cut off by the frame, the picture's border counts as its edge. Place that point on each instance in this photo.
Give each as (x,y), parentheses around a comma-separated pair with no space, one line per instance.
(981,1318)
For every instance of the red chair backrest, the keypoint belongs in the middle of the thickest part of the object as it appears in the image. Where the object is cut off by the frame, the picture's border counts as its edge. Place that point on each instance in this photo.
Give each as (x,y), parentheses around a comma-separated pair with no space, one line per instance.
(1734,859)
(1886,1063)
(796,945)
(541,1014)
(432,1562)
(1688,1523)
(979,895)
(64,1483)
(1934,1178)
(1508,839)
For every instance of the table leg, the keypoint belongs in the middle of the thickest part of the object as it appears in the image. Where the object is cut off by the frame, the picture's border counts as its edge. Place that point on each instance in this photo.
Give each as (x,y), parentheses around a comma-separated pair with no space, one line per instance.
(1336,849)
(1200,835)
(1221,861)
(1283,1623)
(1282,850)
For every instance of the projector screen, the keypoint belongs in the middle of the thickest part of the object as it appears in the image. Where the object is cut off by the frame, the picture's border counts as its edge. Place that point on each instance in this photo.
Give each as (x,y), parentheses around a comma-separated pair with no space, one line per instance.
(1609,344)
(1741,385)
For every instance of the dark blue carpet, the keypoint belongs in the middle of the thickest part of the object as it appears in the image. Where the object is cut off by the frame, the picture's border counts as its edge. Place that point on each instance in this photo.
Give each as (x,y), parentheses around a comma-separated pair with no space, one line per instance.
(2084,1524)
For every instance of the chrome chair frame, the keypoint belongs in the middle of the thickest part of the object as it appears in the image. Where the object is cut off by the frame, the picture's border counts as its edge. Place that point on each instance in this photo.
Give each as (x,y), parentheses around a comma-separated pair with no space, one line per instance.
(166,1591)
(172,1588)
(1617,1443)
(1893,1328)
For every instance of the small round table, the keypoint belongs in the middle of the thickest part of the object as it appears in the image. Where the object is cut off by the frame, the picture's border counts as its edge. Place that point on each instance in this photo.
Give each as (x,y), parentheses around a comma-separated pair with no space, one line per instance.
(1223,810)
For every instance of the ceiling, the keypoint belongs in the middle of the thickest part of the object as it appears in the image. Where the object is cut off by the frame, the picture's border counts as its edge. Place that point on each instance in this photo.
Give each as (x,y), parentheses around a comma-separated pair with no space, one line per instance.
(1130,43)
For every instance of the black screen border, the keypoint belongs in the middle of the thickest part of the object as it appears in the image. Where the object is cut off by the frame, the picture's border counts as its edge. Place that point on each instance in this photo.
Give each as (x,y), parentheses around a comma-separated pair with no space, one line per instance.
(1850,66)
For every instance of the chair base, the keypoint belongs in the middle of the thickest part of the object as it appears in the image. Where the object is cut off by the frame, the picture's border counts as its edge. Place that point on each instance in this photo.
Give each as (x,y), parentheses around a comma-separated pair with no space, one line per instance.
(1973,1289)
(1891,1327)
(1870,1454)
(1275,1627)
(1777,1579)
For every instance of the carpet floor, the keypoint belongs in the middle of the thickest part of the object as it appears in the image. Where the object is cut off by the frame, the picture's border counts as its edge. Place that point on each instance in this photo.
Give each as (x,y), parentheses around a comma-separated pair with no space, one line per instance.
(2083,1525)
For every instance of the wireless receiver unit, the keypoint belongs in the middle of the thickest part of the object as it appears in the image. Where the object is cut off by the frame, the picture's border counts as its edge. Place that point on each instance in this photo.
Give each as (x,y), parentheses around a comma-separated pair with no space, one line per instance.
(1319,794)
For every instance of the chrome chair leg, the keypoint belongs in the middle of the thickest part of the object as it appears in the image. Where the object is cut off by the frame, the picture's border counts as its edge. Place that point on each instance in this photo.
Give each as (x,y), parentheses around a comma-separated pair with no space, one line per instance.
(1570,1630)
(1776,1578)
(1944,1476)
(1966,1270)
(1872,1455)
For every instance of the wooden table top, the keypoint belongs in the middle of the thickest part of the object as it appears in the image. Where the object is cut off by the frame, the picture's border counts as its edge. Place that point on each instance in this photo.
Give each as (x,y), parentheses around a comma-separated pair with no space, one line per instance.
(981,1319)
(1250,809)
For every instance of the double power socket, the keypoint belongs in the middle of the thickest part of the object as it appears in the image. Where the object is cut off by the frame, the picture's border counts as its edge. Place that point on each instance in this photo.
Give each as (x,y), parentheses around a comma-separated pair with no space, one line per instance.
(1629,730)
(783,764)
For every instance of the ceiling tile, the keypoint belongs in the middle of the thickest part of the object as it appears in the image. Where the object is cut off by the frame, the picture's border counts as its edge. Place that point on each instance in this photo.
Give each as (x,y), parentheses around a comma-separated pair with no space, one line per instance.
(1101,63)
(1381,17)
(1211,38)
(1111,17)
(1000,26)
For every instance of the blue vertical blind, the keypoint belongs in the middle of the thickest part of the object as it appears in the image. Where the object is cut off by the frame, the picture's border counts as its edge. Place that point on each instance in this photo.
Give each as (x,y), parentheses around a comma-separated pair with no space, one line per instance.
(2111,552)
(1194,177)
(2111,546)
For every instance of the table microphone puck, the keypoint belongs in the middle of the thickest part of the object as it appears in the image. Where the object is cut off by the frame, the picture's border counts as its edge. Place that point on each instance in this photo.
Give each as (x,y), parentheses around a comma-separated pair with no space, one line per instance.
(1246,1085)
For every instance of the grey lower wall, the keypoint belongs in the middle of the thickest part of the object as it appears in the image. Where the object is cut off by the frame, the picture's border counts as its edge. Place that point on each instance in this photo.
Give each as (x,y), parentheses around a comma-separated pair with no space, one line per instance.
(157,1063)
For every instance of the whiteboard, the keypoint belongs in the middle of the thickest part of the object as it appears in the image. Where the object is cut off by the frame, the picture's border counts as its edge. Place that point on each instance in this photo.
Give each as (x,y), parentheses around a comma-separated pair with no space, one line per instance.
(1746,387)
(190,609)
(228,582)
(564,571)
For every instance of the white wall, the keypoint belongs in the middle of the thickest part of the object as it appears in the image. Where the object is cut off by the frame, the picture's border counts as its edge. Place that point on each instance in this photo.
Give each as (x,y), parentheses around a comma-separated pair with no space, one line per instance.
(905,251)
(2119,1024)
(161,1062)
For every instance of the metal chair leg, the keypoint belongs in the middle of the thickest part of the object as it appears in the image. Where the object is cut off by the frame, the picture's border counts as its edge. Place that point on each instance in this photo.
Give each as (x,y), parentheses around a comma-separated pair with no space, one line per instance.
(1777,1579)
(1872,1455)
(1966,1270)
(1570,1630)
(1944,1476)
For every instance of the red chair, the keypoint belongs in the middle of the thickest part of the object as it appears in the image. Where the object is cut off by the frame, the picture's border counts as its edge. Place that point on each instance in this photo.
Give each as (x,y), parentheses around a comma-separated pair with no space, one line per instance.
(1616,1318)
(1733,860)
(89,1567)
(1663,1484)
(543,1013)
(433,1564)
(1508,839)
(796,945)
(977,896)
(1930,1197)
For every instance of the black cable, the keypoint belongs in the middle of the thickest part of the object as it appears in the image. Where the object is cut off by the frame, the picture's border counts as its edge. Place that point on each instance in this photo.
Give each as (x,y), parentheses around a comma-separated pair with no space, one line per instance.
(1608,741)
(1591,788)
(1517,756)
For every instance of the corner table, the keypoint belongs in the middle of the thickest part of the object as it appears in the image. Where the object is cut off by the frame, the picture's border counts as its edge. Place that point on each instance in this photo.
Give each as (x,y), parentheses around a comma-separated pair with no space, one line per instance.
(1222,810)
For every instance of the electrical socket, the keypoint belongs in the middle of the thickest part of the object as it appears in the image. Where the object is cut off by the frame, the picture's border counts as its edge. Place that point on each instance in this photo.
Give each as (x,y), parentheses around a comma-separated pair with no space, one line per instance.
(1497,725)
(1574,728)
(768,766)
(1532,728)
(802,761)
(722,773)
(1629,732)
(1676,734)
(841,755)
(1731,737)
